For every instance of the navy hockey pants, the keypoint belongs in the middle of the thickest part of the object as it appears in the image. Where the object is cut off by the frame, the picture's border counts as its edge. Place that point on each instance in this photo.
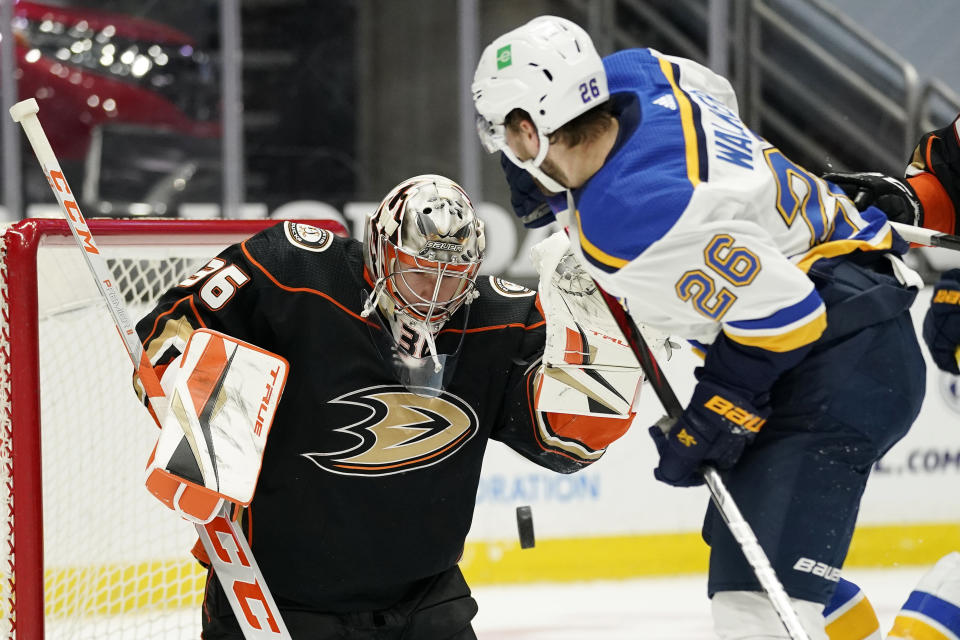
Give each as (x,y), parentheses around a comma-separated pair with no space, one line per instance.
(836,413)
(440,609)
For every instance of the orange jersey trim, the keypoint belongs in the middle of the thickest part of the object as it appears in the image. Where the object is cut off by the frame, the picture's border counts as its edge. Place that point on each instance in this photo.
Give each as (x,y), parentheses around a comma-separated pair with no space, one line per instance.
(514,325)
(315,292)
(938,209)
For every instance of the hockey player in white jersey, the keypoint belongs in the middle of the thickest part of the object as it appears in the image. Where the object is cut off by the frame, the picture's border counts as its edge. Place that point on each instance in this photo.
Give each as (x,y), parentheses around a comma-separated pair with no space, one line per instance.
(797,300)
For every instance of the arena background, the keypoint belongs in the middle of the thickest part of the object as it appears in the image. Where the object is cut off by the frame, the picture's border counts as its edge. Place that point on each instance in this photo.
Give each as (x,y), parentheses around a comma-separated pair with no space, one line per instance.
(301,109)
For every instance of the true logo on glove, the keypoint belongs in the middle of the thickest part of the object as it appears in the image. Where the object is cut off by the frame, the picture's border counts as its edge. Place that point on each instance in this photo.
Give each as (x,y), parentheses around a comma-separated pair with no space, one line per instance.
(947,296)
(265,401)
(735,414)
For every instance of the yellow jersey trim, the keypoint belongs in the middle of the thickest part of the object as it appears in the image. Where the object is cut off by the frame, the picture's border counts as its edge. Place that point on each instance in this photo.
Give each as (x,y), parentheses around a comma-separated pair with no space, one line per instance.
(841,247)
(793,339)
(596,252)
(686,123)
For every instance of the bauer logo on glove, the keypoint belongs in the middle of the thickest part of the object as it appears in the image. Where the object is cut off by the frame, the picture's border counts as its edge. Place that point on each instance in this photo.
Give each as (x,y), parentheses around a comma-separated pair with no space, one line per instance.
(733,413)
(222,402)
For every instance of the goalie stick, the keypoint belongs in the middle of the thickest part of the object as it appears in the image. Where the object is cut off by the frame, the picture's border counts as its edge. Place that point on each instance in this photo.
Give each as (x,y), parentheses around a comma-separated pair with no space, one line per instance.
(230,555)
(739,527)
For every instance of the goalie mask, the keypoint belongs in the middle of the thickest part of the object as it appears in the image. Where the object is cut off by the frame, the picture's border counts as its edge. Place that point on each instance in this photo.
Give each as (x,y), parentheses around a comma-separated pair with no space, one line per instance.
(423,247)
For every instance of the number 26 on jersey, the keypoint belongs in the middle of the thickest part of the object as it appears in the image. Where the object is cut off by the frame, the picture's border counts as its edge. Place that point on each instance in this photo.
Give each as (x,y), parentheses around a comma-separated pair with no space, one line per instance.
(735,265)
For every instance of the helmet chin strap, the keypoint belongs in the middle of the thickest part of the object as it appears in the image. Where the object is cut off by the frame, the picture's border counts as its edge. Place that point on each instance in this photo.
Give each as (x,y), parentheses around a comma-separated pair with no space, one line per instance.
(373,301)
(533,166)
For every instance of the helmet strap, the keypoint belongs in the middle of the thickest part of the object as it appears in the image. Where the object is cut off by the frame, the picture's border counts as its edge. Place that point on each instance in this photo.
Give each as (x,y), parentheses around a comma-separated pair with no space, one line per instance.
(533,166)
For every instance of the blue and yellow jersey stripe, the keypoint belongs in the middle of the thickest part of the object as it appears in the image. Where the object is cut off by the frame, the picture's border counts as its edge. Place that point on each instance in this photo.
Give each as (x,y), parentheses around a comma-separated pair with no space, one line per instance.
(694,139)
(924,616)
(787,329)
(643,188)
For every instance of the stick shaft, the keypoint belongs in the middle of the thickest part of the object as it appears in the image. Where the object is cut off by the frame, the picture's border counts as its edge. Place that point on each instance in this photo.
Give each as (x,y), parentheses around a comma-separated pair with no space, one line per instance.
(739,527)
(928,237)
(227,548)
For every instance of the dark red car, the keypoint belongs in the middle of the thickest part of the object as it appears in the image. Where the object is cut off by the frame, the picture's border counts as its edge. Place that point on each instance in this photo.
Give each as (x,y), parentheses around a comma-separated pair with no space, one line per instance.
(88,67)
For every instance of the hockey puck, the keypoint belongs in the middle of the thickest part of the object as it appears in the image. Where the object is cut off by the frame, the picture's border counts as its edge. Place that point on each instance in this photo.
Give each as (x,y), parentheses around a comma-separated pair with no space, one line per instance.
(525,527)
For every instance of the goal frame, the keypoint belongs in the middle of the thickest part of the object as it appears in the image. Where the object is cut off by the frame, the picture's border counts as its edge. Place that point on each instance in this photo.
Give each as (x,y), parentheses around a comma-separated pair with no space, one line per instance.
(20,368)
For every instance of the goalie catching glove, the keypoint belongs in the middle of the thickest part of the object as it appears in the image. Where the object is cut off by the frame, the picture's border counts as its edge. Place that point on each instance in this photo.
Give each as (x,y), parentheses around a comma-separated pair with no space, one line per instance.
(223,394)
(714,429)
(588,367)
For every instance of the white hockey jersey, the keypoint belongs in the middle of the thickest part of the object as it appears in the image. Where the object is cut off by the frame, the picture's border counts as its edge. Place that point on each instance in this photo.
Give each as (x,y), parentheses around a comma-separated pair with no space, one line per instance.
(701,225)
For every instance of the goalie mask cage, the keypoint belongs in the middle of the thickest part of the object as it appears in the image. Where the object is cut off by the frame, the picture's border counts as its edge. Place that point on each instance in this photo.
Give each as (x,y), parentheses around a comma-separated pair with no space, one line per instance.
(86,551)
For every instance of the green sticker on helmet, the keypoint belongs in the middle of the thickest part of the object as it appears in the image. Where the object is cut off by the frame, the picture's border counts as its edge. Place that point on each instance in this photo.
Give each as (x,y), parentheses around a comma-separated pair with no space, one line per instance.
(504,57)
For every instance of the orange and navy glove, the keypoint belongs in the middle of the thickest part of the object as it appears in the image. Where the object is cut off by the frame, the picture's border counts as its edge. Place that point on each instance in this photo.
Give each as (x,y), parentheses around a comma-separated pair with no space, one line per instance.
(714,429)
(941,325)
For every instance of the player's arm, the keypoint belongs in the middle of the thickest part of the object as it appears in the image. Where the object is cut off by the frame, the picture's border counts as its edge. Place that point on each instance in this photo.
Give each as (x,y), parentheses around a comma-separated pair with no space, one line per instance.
(929,194)
(212,437)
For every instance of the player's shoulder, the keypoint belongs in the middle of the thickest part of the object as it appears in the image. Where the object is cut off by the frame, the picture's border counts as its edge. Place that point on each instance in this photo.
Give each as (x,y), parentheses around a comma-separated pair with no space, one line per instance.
(298,255)
(501,304)
(627,206)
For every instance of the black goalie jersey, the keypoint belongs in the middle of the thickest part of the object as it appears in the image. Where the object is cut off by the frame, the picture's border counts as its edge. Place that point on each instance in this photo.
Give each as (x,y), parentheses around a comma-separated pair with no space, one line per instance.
(365,486)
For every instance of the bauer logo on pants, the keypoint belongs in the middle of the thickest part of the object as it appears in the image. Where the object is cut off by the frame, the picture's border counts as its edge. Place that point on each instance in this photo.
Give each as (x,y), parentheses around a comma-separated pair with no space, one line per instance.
(402,432)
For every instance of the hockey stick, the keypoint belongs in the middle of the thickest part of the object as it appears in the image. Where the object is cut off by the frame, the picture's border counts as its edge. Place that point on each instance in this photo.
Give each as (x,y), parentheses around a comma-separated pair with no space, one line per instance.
(929,237)
(225,544)
(722,499)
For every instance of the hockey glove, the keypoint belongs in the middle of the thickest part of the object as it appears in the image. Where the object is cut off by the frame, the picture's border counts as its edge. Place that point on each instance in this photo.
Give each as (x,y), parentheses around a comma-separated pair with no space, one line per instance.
(714,429)
(941,326)
(529,202)
(934,172)
(893,196)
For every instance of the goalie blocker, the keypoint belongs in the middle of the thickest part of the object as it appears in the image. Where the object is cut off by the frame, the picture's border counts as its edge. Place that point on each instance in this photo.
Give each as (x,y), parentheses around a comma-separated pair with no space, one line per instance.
(223,396)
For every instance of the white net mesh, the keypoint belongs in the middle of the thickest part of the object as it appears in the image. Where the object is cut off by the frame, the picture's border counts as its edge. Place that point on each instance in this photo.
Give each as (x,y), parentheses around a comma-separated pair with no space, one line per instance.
(6,462)
(116,562)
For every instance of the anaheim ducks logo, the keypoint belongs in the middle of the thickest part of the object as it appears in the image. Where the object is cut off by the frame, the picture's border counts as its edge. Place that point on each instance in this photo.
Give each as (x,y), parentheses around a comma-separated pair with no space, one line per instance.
(403,432)
(510,289)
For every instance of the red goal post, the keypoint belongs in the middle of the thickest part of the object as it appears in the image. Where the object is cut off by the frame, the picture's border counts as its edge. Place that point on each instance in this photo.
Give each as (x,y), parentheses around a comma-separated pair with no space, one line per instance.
(86,551)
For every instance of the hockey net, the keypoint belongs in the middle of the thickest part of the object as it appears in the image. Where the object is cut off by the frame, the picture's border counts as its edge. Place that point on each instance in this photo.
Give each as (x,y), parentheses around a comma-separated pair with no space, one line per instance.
(87,552)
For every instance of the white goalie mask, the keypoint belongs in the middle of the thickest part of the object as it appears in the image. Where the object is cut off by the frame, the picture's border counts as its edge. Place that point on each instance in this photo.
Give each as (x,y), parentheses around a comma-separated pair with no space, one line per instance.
(549,68)
(423,247)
